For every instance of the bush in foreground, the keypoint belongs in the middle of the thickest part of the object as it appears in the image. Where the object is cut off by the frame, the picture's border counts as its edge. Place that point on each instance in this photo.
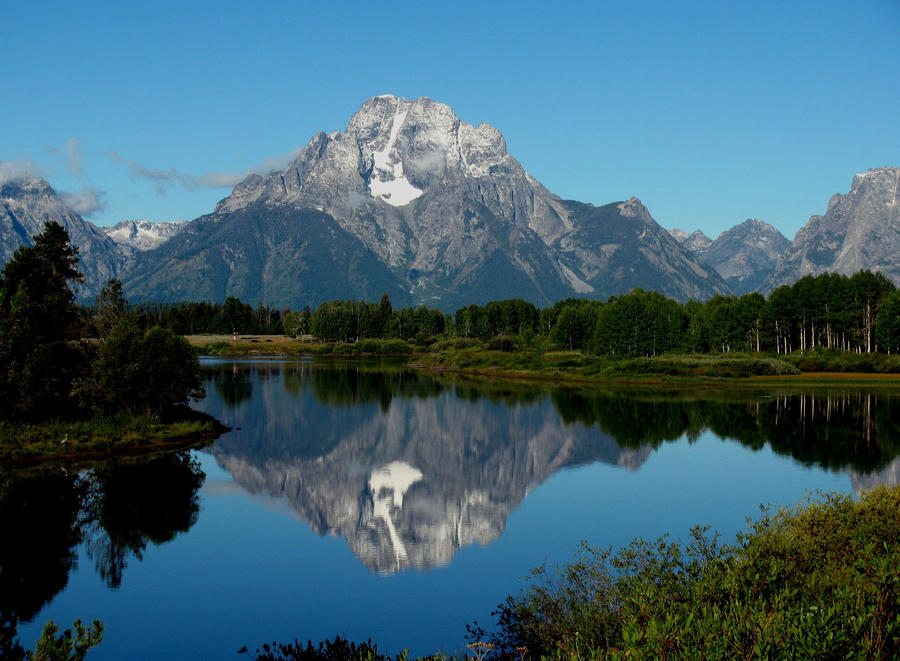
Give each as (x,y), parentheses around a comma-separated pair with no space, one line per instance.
(816,581)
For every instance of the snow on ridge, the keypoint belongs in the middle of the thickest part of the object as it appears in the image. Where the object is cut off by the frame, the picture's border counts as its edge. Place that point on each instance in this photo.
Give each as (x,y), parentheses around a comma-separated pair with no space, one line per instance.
(143,234)
(398,191)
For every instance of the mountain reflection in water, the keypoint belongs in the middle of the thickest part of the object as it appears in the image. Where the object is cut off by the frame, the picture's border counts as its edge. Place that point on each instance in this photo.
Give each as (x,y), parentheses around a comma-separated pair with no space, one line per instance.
(410,467)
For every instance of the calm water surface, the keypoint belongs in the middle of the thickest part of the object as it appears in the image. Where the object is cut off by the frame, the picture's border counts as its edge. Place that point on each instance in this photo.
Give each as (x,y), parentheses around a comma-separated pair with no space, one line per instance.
(367,500)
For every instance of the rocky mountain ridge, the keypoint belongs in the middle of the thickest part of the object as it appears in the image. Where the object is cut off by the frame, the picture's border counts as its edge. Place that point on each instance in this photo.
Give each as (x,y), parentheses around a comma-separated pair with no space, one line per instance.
(143,234)
(411,201)
(860,230)
(744,255)
(453,217)
(26,204)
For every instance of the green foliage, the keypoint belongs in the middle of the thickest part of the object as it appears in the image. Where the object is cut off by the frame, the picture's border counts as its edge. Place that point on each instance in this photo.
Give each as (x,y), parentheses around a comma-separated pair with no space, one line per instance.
(109,307)
(145,372)
(39,362)
(640,324)
(297,323)
(338,649)
(574,325)
(513,317)
(53,646)
(349,321)
(502,343)
(204,318)
(820,580)
(832,360)
(731,366)
(887,328)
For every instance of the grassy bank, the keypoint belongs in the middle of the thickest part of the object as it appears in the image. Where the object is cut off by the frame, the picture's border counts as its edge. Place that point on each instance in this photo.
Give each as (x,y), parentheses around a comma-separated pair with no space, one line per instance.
(817,580)
(279,345)
(509,358)
(24,443)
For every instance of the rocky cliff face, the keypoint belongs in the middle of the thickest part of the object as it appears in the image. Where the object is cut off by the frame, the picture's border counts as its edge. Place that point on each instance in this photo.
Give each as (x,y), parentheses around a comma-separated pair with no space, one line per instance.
(617,247)
(860,230)
(450,215)
(694,242)
(27,204)
(744,256)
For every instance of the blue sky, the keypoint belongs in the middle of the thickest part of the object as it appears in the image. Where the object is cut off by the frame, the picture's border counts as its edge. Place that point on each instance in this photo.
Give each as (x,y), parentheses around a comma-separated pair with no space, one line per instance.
(710,112)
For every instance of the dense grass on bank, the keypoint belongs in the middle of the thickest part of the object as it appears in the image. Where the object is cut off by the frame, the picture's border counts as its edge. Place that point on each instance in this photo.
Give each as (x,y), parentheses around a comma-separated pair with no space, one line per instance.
(539,358)
(817,580)
(581,365)
(120,434)
(278,345)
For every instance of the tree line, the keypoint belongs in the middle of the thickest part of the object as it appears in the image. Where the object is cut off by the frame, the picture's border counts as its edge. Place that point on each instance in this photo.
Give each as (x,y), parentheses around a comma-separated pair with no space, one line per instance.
(858,313)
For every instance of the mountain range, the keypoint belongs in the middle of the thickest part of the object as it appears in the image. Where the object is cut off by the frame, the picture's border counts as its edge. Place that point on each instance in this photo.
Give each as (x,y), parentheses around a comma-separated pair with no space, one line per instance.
(411,201)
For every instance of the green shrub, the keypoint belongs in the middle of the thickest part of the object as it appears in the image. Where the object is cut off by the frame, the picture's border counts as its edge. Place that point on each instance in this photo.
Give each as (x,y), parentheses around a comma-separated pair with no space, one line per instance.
(716,365)
(503,343)
(821,580)
(343,348)
(368,346)
(395,347)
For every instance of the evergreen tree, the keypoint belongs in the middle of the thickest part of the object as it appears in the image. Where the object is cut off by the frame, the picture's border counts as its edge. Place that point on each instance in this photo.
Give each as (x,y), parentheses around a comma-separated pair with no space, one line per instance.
(39,322)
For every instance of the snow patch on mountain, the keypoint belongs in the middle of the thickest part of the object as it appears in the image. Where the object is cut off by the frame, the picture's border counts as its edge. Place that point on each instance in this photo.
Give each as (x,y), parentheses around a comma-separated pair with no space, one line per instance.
(143,234)
(394,188)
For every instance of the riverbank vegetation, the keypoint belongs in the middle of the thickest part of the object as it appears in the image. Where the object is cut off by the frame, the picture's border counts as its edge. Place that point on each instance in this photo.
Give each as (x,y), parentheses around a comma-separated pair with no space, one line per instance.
(825,323)
(821,580)
(817,580)
(62,394)
(858,314)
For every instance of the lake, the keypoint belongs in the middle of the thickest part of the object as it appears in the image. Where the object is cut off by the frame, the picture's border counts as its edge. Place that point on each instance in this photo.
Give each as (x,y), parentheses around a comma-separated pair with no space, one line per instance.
(364,499)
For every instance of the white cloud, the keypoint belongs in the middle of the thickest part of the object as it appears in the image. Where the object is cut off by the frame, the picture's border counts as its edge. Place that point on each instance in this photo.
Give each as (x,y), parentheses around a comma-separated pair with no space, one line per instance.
(220,179)
(171,177)
(433,161)
(17,170)
(274,163)
(84,202)
(70,154)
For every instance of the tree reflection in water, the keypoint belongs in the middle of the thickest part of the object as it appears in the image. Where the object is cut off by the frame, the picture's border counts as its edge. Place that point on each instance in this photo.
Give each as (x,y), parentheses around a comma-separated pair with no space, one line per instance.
(133,505)
(117,509)
(833,429)
(41,531)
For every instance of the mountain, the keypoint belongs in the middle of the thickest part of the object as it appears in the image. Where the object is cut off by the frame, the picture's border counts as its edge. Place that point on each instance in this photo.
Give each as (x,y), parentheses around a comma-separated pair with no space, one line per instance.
(29,202)
(860,230)
(418,202)
(280,255)
(744,256)
(143,234)
(694,242)
(617,247)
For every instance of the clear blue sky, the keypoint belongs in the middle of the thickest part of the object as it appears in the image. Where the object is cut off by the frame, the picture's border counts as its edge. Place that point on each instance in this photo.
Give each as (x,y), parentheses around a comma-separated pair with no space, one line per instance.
(710,112)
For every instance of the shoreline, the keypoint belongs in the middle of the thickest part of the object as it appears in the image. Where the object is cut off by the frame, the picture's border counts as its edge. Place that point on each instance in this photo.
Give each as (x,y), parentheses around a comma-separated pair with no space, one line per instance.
(261,346)
(102,439)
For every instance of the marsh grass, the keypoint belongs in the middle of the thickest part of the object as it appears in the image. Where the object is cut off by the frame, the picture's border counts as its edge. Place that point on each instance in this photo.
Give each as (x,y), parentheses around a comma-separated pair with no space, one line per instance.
(26,443)
(279,345)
